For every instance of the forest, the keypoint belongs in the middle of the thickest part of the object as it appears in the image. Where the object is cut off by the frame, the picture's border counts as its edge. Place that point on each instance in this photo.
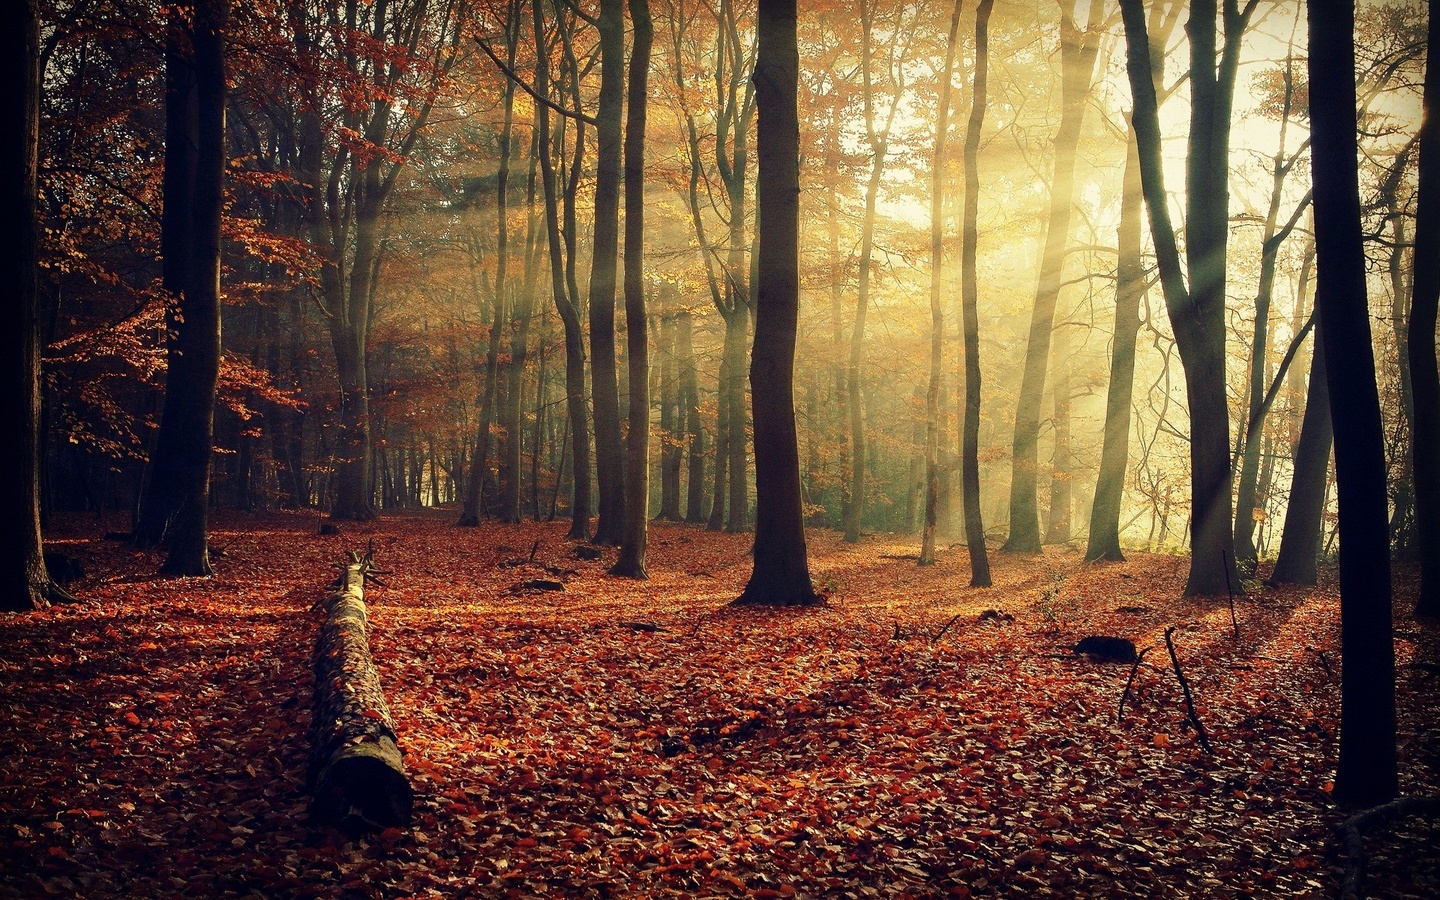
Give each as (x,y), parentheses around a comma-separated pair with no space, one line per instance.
(721,447)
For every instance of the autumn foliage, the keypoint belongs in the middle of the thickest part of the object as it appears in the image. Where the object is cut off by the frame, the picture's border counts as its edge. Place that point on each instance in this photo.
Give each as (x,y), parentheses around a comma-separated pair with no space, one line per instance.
(643,738)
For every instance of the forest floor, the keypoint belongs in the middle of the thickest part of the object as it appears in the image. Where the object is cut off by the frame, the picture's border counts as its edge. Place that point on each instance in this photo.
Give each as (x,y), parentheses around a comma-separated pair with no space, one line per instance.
(153,740)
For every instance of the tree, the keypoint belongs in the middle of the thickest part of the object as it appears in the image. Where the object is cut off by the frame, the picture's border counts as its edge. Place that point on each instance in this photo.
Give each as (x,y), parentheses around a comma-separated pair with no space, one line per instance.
(609,449)
(27,583)
(781,576)
(878,140)
(1197,309)
(637,333)
(362,114)
(937,311)
(1425,297)
(970,307)
(1367,774)
(1304,513)
(1078,52)
(563,286)
(1104,540)
(175,505)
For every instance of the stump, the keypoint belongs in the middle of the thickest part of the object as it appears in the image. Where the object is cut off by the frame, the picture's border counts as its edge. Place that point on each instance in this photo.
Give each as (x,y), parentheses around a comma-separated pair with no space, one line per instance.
(356,772)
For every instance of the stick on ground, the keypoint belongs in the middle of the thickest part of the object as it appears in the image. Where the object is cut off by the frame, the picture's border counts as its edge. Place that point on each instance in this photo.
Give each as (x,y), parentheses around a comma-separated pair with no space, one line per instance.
(1185,689)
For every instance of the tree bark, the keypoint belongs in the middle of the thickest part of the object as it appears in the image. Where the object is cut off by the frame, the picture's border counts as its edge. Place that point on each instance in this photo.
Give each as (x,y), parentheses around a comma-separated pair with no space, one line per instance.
(970,303)
(937,310)
(1196,311)
(356,770)
(631,562)
(27,583)
(1425,379)
(781,575)
(565,303)
(1077,64)
(1300,537)
(695,432)
(609,449)
(1367,772)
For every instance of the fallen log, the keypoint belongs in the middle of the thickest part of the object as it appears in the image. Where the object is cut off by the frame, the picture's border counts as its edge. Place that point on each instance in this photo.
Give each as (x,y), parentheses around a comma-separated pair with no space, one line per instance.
(356,772)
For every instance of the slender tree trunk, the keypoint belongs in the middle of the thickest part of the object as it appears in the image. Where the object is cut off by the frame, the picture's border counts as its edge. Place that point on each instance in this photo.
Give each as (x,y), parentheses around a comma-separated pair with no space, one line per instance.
(737,333)
(1367,774)
(690,398)
(970,303)
(1077,62)
(933,428)
(631,562)
(1104,541)
(1424,378)
(782,574)
(609,449)
(718,494)
(564,304)
(672,413)
(1058,519)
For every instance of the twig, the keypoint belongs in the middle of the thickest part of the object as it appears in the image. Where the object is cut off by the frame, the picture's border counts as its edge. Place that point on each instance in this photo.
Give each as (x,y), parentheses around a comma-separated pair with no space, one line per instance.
(941,633)
(642,626)
(1225,566)
(1135,667)
(1324,662)
(898,635)
(1185,689)
(534,549)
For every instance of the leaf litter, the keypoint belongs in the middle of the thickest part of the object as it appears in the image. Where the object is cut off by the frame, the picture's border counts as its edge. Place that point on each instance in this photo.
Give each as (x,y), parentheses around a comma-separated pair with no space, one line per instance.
(623,738)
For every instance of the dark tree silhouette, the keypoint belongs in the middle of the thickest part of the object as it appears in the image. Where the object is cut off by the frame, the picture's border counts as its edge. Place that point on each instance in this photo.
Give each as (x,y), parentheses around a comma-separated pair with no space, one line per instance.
(1304,513)
(1423,371)
(177,496)
(637,332)
(26,583)
(1367,770)
(781,576)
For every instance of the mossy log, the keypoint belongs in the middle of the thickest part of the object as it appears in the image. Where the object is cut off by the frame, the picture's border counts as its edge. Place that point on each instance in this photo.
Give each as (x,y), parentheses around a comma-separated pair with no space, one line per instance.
(357,775)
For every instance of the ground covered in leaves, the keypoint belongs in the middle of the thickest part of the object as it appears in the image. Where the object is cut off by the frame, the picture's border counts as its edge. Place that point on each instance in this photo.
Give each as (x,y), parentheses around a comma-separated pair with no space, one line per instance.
(640,739)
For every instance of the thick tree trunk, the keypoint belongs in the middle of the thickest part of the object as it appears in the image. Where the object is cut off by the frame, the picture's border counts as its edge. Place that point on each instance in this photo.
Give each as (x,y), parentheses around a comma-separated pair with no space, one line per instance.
(609,448)
(1425,379)
(356,771)
(1367,773)
(631,562)
(1196,311)
(782,574)
(970,303)
(177,513)
(1077,61)
(26,583)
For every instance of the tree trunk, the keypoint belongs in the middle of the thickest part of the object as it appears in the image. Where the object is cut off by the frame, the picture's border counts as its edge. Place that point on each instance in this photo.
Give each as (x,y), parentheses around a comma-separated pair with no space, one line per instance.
(672,413)
(933,428)
(782,574)
(1367,772)
(565,304)
(356,771)
(1077,64)
(1424,378)
(970,302)
(1104,541)
(737,333)
(609,449)
(1196,311)
(631,562)
(27,583)
(1300,537)
(1062,465)
(690,398)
